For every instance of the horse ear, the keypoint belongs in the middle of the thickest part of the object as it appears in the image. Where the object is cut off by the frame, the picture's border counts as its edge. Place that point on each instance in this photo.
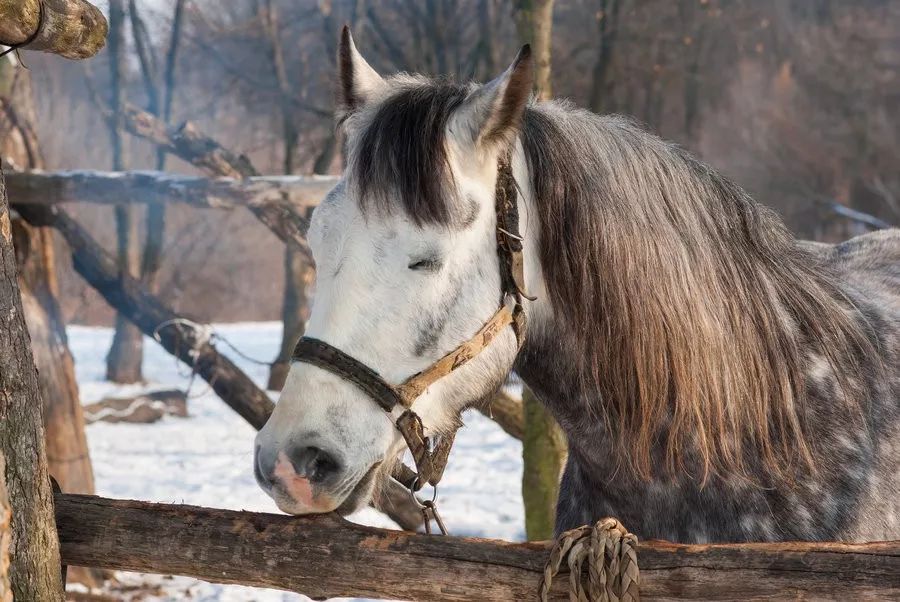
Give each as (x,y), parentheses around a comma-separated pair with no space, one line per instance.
(358,81)
(492,115)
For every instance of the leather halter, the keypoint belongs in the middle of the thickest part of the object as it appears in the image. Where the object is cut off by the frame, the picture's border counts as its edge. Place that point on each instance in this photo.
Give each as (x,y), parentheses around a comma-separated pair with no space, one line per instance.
(430,456)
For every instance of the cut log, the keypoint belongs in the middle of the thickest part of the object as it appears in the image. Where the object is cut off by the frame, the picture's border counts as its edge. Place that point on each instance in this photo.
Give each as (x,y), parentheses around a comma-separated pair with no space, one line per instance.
(145,408)
(294,193)
(34,573)
(325,556)
(74,29)
(281,202)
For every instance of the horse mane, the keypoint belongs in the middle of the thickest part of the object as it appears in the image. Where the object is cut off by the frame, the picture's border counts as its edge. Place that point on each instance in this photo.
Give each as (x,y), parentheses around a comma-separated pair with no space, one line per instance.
(693,311)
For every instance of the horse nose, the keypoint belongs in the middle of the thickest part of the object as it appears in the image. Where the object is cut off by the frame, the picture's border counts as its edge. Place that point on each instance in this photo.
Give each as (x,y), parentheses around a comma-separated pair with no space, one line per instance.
(313,463)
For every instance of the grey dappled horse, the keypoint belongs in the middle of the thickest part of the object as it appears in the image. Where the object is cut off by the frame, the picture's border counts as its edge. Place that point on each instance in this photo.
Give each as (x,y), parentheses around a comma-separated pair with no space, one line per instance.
(717,380)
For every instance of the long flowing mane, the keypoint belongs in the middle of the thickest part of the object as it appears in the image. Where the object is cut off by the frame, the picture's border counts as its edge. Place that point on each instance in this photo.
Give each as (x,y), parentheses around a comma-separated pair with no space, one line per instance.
(694,311)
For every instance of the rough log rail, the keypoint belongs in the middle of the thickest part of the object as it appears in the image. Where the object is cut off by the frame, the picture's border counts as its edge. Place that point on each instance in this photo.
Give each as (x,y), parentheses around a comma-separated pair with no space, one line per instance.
(74,29)
(326,556)
(287,193)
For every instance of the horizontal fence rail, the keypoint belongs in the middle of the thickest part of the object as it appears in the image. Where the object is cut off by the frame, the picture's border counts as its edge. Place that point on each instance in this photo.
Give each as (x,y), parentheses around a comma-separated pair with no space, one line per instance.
(325,556)
(154,187)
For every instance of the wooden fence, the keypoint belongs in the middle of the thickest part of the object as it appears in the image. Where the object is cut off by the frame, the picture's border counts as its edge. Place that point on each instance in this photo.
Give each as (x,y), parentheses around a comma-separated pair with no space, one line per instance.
(325,556)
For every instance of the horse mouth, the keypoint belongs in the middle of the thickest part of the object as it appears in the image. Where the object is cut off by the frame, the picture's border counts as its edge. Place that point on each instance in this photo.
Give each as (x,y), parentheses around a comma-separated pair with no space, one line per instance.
(360,493)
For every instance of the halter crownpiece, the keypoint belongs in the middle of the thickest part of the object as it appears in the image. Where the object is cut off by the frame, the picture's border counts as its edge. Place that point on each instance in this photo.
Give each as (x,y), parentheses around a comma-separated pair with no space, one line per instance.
(430,456)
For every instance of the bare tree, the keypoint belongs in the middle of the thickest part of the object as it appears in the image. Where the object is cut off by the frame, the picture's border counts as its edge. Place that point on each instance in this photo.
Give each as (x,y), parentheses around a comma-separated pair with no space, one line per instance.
(543,442)
(123,363)
(159,83)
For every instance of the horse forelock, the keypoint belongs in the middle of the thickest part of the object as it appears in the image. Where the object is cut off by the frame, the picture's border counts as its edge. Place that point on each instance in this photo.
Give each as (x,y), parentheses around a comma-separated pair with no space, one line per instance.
(690,307)
(400,158)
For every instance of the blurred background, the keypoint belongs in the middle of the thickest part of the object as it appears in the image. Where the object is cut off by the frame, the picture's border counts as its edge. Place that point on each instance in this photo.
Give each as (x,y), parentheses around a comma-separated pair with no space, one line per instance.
(796,100)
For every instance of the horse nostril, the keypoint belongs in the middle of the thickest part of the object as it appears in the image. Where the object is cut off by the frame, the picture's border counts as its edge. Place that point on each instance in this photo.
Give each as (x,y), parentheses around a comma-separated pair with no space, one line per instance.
(263,470)
(314,463)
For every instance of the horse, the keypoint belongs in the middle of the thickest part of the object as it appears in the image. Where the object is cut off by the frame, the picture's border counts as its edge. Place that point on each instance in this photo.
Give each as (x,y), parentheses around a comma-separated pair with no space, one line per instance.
(717,380)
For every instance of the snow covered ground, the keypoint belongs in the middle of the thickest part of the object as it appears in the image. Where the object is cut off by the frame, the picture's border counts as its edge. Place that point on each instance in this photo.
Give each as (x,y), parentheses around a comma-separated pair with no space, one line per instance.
(206,459)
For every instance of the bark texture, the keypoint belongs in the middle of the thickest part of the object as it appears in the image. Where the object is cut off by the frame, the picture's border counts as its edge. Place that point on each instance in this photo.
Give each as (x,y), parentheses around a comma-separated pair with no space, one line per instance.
(325,556)
(67,451)
(74,29)
(35,570)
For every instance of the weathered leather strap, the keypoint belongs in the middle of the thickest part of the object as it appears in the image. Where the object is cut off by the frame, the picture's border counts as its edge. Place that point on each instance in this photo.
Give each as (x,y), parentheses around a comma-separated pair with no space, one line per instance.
(325,356)
(416,384)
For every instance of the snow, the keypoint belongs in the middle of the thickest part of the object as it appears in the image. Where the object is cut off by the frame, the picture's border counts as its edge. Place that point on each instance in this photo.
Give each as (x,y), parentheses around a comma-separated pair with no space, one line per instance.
(205,459)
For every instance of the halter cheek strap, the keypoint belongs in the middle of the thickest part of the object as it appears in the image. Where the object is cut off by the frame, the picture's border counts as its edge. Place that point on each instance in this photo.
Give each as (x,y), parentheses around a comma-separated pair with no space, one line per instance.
(430,456)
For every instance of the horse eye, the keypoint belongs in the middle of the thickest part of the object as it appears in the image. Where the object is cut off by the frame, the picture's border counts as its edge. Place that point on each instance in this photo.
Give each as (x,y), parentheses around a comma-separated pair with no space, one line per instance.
(430,264)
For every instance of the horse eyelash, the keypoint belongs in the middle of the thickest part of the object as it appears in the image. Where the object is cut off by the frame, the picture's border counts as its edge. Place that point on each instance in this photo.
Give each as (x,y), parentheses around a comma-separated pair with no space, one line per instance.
(430,264)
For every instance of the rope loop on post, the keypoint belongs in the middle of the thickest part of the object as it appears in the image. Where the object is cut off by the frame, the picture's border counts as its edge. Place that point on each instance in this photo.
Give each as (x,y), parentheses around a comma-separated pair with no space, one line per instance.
(611,555)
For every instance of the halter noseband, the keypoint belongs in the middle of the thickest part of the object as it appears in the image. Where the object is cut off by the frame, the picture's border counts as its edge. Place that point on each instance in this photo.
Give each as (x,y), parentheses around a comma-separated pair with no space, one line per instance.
(431,457)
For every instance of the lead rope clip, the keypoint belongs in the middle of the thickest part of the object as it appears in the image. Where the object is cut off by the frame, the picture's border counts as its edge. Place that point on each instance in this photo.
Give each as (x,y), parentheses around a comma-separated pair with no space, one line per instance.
(428,508)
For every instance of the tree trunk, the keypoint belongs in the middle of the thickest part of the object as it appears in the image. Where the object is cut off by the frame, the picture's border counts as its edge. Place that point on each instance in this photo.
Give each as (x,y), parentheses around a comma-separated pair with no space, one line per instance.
(67,450)
(123,363)
(601,98)
(299,276)
(543,455)
(35,570)
(543,444)
(534,22)
(74,29)
(151,260)
(299,272)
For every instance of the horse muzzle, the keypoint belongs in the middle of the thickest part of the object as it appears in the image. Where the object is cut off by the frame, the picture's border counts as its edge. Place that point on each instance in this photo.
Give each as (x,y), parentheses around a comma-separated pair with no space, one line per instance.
(301,478)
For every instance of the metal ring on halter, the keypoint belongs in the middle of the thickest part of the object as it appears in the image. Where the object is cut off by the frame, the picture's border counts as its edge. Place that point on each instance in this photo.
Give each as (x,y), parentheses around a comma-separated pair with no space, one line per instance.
(415,498)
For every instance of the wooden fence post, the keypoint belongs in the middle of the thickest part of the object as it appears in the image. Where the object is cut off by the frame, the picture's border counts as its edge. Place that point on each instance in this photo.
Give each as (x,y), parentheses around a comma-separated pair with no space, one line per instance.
(35,569)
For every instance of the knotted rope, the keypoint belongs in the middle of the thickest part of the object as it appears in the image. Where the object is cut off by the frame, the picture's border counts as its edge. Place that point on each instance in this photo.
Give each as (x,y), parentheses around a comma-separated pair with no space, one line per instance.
(199,335)
(611,555)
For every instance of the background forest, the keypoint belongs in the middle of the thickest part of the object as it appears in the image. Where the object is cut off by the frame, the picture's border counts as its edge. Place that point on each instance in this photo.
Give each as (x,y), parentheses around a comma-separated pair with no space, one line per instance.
(796,100)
